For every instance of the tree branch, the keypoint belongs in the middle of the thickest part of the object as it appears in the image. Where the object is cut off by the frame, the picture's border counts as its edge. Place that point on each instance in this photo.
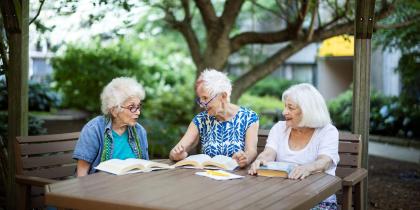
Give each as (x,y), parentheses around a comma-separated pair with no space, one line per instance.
(344,28)
(301,16)
(184,27)
(38,12)
(266,67)
(385,11)
(186,6)
(338,16)
(313,18)
(275,13)
(230,13)
(398,25)
(207,13)
(259,38)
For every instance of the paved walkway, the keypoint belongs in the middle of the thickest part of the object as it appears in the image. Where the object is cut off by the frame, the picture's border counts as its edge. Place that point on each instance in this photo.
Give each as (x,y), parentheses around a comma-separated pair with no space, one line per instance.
(409,154)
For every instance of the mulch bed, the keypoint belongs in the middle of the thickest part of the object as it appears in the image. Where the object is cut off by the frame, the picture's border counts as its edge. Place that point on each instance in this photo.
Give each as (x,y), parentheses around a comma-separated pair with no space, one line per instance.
(393,184)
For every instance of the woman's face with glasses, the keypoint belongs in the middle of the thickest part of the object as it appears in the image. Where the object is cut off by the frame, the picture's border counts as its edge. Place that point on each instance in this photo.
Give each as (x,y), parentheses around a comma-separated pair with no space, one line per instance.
(130,111)
(206,101)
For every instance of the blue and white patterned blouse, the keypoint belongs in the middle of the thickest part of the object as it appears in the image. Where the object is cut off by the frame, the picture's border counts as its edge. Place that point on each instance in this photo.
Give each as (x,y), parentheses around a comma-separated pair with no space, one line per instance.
(227,137)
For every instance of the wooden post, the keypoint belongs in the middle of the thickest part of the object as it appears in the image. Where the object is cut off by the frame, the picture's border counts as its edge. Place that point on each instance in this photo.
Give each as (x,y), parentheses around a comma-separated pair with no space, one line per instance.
(361,78)
(16,14)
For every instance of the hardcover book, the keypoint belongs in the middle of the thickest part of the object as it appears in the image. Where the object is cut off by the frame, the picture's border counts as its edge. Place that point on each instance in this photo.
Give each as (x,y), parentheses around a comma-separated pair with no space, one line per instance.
(130,165)
(276,169)
(202,161)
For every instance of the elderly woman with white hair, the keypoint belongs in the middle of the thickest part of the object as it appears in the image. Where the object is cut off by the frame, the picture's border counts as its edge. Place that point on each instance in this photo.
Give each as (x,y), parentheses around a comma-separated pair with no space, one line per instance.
(306,138)
(223,128)
(116,134)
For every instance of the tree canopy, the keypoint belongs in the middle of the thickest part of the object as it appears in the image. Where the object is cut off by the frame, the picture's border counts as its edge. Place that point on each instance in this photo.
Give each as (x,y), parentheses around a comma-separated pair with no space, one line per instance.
(216,33)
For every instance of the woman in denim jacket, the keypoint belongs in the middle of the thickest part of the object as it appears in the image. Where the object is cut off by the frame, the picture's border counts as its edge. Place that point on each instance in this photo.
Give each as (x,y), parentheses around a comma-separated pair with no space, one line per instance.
(116,134)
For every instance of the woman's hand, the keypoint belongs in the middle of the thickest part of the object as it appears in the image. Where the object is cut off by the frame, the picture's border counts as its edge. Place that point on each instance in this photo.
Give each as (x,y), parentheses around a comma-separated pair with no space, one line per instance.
(300,172)
(255,165)
(241,158)
(178,153)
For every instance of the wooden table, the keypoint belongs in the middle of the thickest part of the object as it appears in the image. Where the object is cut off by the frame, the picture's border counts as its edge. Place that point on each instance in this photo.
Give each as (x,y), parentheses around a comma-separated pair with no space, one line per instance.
(181,189)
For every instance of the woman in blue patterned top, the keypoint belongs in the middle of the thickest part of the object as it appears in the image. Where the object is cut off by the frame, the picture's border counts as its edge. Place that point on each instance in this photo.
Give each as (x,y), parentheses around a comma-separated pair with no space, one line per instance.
(223,128)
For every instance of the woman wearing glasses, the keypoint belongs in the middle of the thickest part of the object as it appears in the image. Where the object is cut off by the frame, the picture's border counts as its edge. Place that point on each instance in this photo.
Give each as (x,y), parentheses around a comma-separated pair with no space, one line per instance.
(116,134)
(222,128)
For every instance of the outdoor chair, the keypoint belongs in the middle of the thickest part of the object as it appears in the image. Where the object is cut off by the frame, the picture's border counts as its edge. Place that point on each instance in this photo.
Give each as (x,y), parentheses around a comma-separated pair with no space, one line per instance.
(348,169)
(42,160)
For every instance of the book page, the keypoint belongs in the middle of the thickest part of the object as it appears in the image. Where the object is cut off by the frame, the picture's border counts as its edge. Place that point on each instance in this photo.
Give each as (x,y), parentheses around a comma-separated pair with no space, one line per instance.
(147,164)
(223,162)
(194,160)
(117,166)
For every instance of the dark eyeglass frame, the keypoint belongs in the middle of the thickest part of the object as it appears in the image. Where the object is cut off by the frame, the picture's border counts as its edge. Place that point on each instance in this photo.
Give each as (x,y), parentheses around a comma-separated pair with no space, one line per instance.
(132,108)
(204,105)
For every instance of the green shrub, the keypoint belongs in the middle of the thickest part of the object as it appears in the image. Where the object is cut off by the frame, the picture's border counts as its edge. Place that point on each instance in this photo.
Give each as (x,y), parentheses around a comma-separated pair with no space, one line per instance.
(167,113)
(82,72)
(35,125)
(262,105)
(271,87)
(40,97)
(408,66)
(387,115)
(341,110)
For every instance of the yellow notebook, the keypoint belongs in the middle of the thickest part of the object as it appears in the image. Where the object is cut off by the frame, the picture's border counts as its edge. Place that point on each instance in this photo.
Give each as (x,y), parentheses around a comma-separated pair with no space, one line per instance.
(202,161)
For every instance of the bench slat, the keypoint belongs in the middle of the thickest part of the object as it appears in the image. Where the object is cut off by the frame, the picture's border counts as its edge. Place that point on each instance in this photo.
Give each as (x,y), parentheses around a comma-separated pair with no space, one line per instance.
(348,160)
(58,159)
(343,172)
(347,136)
(33,149)
(49,138)
(348,147)
(53,173)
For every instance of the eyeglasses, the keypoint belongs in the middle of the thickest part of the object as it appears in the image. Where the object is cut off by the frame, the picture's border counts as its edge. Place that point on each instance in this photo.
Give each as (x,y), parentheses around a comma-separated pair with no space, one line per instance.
(204,105)
(132,108)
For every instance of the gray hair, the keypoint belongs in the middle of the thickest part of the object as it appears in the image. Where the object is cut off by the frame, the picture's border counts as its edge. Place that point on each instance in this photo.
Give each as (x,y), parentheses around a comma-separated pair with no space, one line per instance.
(314,110)
(118,91)
(215,82)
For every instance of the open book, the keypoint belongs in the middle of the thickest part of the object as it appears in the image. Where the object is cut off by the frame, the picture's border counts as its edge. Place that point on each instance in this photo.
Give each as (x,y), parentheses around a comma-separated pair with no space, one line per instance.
(204,161)
(276,169)
(130,165)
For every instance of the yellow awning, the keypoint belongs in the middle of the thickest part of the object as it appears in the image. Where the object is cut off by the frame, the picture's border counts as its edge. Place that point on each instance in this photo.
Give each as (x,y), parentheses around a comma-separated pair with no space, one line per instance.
(342,45)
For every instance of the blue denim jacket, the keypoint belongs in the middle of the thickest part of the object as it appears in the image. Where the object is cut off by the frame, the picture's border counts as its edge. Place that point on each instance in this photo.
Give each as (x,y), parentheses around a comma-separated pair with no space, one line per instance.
(90,144)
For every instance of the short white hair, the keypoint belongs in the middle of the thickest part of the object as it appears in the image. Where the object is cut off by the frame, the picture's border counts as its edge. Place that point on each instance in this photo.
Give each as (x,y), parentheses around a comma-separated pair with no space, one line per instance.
(118,91)
(215,82)
(314,110)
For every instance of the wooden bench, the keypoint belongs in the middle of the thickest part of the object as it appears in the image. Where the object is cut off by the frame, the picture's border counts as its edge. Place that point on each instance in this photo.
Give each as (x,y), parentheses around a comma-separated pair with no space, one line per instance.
(42,160)
(348,169)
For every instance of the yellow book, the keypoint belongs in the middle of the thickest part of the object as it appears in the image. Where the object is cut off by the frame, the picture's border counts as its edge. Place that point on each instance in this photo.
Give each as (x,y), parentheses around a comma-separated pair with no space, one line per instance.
(276,169)
(202,161)
(130,165)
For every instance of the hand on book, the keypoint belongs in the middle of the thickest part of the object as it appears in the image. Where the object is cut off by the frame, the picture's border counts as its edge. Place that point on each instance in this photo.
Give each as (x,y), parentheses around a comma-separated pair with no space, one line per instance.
(178,153)
(241,158)
(255,165)
(299,172)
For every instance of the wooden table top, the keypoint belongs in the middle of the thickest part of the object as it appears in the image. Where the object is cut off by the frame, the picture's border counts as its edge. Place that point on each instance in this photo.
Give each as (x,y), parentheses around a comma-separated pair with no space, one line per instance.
(182,189)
